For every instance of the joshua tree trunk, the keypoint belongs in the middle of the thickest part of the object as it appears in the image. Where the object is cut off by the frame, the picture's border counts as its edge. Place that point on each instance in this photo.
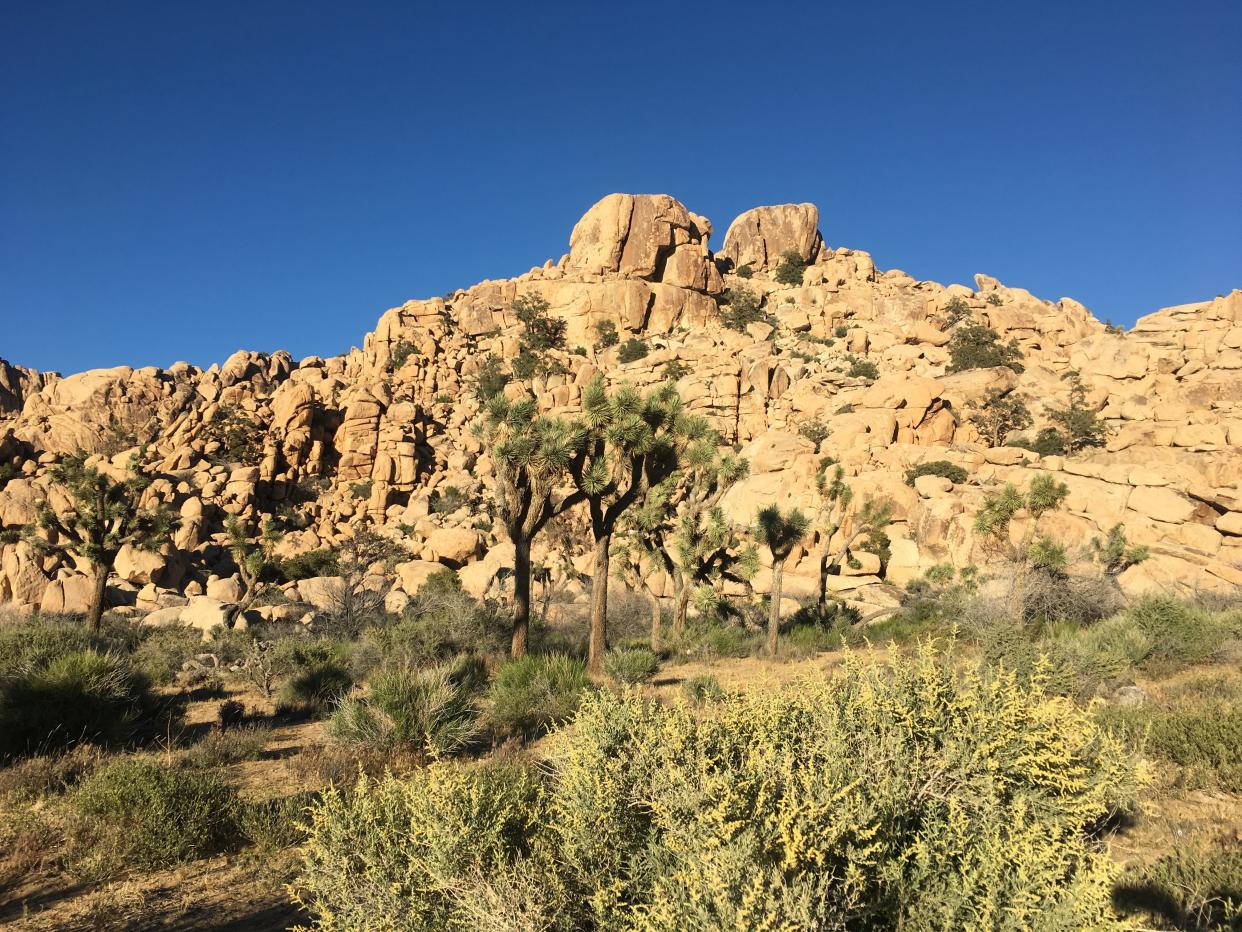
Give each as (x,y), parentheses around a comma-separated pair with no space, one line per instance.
(774,609)
(521,598)
(95,616)
(657,629)
(682,589)
(599,606)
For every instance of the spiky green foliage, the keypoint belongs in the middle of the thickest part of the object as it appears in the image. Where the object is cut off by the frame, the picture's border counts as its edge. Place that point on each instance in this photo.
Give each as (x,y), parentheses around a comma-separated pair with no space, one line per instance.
(1115,554)
(630,442)
(253,556)
(780,532)
(531,455)
(104,514)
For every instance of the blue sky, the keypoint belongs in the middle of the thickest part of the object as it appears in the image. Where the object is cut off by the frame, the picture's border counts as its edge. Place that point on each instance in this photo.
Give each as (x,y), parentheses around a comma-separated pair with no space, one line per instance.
(180,180)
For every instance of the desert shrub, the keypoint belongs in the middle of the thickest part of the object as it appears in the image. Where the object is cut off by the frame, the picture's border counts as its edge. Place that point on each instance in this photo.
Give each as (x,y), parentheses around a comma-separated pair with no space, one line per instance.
(741,306)
(163,651)
(231,713)
(703,688)
(401,854)
(541,331)
(799,642)
(675,369)
(631,665)
(317,688)
(447,499)
(1203,738)
(815,431)
(791,269)
(400,353)
(222,747)
(1080,427)
(954,473)
(49,774)
(440,622)
(974,346)
(309,565)
(280,822)
(140,814)
(1048,442)
(712,639)
(30,644)
(536,692)
(1180,633)
(239,437)
(862,369)
(833,615)
(744,271)
(491,378)
(841,332)
(433,711)
(606,334)
(1196,888)
(82,696)
(632,350)
(1060,596)
(906,796)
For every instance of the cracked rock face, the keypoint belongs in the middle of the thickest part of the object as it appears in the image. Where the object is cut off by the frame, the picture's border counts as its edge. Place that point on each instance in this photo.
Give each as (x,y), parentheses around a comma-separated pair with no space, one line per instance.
(760,236)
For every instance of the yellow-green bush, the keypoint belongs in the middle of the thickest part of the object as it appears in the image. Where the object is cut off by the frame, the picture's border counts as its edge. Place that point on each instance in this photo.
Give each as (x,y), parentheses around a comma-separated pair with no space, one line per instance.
(905,796)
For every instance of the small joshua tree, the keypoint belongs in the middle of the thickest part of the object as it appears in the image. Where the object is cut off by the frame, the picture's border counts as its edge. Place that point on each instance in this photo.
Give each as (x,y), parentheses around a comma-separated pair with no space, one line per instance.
(104,515)
(1031,550)
(780,532)
(1115,554)
(253,557)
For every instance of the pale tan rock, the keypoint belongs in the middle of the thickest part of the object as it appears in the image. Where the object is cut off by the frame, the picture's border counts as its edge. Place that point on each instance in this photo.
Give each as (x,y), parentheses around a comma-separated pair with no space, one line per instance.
(454,544)
(1230,523)
(414,573)
(1162,504)
(933,486)
(760,236)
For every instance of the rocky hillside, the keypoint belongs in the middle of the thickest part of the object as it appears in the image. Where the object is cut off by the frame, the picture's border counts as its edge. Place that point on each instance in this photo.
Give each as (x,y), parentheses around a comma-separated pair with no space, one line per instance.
(851,363)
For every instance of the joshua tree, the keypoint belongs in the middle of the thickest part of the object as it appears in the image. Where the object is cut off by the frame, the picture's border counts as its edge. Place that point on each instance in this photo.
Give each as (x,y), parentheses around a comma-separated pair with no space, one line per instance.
(1032,550)
(104,514)
(531,455)
(779,532)
(867,523)
(252,557)
(628,443)
(1115,554)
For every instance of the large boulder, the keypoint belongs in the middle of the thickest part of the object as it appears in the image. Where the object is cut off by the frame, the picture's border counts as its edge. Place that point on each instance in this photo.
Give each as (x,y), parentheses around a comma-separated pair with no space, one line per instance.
(760,236)
(647,236)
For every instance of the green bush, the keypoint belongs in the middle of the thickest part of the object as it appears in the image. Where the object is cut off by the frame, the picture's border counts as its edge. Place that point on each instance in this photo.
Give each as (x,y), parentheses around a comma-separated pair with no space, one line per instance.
(703,688)
(911,796)
(975,346)
(606,334)
(400,353)
(744,271)
(139,814)
(400,854)
(222,747)
(1048,442)
(791,269)
(815,431)
(632,350)
(841,332)
(536,692)
(281,822)
(1181,633)
(163,651)
(447,499)
(309,565)
(1196,889)
(711,639)
(30,644)
(862,369)
(492,378)
(954,473)
(631,665)
(741,306)
(432,711)
(82,696)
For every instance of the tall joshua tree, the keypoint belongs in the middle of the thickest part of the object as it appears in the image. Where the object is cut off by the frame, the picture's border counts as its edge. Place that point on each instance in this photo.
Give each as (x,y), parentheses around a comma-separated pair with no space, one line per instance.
(253,557)
(779,532)
(531,455)
(103,515)
(627,443)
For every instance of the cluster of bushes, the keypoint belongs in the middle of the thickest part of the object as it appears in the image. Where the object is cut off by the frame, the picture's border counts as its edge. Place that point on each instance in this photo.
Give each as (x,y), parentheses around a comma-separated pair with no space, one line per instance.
(739,307)
(911,795)
(951,471)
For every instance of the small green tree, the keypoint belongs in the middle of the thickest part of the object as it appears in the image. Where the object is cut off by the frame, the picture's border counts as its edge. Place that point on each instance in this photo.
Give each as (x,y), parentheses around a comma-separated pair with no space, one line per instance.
(606,334)
(104,515)
(741,306)
(975,346)
(865,526)
(1079,425)
(627,443)
(998,416)
(791,269)
(1031,550)
(531,455)
(780,532)
(541,331)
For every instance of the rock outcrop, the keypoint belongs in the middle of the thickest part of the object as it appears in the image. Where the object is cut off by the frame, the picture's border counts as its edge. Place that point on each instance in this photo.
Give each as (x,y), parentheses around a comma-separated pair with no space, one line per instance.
(381,436)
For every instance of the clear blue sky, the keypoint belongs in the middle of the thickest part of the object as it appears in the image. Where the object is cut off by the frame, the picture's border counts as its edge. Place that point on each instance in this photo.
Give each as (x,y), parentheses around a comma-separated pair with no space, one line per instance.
(178,180)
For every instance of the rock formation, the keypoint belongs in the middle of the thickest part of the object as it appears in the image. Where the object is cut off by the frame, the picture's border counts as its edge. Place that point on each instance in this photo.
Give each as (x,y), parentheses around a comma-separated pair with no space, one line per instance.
(378,436)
